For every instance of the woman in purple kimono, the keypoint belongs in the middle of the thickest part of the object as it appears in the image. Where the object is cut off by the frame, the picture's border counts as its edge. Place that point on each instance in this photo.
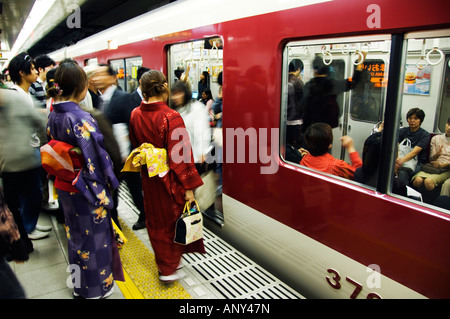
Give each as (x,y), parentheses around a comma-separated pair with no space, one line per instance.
(86,199)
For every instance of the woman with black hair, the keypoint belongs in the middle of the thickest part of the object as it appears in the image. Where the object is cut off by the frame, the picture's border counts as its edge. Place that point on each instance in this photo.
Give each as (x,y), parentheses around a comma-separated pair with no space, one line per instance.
(85,190)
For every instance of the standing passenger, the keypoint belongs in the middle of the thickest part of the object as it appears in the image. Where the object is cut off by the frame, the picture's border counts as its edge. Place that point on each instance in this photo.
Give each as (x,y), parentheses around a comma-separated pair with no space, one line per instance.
(196,120)
(22,161)
(294,118)
(321,92)
(164,197)
(105,80)
(43,63)
(133,179)
(86,199)
(203,84)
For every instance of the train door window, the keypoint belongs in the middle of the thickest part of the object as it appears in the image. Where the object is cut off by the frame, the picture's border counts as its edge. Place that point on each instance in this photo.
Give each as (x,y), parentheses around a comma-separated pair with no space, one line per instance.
(194,59)
(119,67)
(93,61)
(131,67)
(192,62)
(127,72)
(423,118)
(342,82)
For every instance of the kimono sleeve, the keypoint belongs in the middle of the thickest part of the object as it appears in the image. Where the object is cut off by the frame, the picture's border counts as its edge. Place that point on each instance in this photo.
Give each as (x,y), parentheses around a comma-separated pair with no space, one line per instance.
(96,179)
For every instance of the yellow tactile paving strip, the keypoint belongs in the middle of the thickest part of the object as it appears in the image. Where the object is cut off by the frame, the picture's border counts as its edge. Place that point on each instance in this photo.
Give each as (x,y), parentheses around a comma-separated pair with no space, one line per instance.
(141,273)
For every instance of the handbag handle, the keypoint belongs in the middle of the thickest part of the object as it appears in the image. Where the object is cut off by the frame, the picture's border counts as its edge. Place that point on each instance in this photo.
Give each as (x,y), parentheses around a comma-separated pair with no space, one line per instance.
(187,207)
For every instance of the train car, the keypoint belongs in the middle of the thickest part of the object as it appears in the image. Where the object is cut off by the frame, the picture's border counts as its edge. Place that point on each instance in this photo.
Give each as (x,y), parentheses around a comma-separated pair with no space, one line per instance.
(328,237)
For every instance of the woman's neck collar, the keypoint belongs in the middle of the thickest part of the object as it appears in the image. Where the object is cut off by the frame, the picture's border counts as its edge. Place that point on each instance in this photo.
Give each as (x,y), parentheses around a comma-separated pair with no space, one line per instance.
(154,99)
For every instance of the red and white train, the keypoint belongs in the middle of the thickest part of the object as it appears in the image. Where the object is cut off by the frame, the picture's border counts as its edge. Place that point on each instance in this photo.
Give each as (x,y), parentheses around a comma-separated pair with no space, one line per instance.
(325,236)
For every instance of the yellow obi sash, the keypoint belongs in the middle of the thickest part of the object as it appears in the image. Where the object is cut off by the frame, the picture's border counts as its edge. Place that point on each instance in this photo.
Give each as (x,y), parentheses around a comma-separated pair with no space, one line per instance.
(146,154)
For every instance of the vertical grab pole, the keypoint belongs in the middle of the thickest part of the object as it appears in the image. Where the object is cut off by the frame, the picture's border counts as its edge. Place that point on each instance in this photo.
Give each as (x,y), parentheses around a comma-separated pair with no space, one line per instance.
(391,116)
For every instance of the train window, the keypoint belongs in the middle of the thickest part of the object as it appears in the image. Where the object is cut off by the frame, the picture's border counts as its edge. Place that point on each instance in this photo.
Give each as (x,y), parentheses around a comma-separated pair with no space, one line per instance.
(194,59)
(423,117)
(93,61)
(127,72)
(341,82)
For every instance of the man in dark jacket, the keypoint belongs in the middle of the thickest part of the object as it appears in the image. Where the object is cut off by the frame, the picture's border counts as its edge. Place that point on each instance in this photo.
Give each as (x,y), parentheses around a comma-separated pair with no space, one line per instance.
(117,106)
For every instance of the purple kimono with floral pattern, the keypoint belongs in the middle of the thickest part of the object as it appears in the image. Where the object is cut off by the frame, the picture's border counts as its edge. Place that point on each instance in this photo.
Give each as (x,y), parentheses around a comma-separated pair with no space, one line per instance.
(93,253)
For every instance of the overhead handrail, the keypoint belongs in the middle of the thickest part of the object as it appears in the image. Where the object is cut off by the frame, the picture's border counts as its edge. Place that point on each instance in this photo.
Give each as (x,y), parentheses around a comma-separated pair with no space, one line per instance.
(325,54)
(441,56)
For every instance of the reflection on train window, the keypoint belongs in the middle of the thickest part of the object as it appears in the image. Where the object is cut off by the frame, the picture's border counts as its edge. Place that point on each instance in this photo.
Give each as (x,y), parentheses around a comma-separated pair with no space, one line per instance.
(127,72)
(366,98)
(342,82)
(425,178)
(200,63)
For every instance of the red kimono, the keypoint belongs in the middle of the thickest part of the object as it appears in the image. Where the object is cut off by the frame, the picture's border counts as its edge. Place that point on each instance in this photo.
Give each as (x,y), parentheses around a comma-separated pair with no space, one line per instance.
(164,196)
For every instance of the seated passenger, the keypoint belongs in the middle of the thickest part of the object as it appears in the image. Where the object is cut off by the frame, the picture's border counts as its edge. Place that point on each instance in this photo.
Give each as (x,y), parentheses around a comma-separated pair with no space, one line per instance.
(319,139)
(436,172)
(368,172)
(419,139)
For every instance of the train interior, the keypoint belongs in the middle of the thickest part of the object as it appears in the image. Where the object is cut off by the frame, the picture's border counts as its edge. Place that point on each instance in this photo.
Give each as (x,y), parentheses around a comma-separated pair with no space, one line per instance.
(193,59)
(426,66)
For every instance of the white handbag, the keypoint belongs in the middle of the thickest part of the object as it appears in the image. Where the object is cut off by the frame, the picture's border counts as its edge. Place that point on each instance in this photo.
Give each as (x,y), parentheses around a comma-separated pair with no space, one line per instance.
(189,227)
(403,149)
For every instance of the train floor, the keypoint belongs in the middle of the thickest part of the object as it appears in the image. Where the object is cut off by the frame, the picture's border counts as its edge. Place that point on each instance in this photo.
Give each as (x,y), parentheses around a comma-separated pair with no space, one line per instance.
(222,273)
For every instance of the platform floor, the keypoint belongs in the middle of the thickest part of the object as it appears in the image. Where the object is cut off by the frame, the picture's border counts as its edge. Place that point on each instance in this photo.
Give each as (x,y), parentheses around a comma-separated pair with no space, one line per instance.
(221,273)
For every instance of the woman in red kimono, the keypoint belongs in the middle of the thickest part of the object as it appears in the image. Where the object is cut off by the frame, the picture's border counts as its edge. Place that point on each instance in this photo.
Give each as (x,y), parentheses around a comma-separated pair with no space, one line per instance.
(164,197)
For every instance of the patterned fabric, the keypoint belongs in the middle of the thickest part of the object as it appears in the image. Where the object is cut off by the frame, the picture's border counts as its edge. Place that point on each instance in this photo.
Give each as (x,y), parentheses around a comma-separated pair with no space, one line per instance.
(147,155)
(164,201)
(328,164)
(63,161)
(8,228)
(91,239)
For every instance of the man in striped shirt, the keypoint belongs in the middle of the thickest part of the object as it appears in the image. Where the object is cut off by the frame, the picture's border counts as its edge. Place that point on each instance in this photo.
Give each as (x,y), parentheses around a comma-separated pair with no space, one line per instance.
(43,63)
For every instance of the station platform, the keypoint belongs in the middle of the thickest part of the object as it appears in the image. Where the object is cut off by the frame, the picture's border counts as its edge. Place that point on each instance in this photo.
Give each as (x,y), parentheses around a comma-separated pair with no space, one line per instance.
(222,273)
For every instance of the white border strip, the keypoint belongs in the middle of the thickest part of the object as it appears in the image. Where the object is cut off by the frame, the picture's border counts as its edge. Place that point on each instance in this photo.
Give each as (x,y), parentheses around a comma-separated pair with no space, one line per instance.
(179,16)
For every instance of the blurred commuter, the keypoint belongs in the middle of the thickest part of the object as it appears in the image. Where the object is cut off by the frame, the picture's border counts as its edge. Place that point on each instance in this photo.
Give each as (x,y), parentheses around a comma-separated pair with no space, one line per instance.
(196,120)
(203,84)
(12,248)
(43,64)
(155,123)
(85,192)
(368,172)
(217,131)
(320,95)
(294,118)
(88,103)
(178,73)
(319,139)
(117,107)
(2,82)
(208,100)
(21,123)
(133,179)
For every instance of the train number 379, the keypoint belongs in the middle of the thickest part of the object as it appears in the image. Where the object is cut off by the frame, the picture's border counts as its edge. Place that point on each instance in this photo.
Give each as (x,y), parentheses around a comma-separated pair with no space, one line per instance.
(335,281)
